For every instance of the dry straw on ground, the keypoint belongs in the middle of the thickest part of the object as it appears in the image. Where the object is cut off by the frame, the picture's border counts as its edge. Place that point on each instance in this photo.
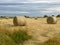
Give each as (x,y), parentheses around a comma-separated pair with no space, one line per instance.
(19,21)
(51,20)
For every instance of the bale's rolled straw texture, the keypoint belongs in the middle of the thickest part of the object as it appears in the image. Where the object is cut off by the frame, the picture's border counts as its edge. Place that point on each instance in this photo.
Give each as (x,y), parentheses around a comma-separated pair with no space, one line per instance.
(51,20)
(19,21)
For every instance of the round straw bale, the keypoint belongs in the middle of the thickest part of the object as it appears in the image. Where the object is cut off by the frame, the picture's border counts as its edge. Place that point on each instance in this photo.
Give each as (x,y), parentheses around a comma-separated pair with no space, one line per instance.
(51,20)
(19,21)
(36,18)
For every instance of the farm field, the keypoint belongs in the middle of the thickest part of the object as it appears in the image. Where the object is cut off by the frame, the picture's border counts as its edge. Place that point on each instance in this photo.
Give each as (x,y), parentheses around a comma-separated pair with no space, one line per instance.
(38,28)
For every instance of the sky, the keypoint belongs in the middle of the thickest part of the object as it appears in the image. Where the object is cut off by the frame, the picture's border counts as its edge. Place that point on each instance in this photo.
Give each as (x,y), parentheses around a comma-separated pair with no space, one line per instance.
(36,7)
(28,1)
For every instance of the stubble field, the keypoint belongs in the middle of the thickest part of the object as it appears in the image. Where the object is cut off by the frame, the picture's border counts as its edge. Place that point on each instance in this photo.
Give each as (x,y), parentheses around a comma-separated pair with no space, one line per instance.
(42,33)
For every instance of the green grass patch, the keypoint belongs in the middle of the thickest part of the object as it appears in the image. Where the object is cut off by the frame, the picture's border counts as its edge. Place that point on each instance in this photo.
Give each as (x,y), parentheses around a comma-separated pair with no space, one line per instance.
(20,36)
(6,40)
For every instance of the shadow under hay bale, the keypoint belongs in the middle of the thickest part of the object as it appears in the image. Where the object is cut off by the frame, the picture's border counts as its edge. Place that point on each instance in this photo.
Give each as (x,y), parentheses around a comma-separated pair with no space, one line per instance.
(51,20)
(19,21)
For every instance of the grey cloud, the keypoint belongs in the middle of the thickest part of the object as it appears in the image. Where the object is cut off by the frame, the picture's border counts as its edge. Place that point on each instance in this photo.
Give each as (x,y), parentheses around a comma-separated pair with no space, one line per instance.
(34,9)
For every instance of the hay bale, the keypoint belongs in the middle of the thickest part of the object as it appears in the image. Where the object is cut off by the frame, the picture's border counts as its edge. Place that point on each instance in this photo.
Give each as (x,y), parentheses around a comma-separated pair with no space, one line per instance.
(36,18)
(19,21)
(51,20)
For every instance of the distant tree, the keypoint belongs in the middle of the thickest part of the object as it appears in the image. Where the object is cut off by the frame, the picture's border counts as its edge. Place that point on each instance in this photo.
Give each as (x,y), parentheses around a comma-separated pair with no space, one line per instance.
(11,17)
(52,15)
(26,16)
(45,16)
(2,16)
(58,15)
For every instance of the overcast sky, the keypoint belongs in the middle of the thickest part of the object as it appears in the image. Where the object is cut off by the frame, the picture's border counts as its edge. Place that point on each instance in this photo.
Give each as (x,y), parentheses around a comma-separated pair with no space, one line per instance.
(28,1)
(49,7)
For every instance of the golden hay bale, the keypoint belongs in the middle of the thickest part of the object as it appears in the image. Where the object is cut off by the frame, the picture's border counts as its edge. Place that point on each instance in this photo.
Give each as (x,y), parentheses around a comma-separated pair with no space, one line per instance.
(51,20)
(35,18)
(19,21)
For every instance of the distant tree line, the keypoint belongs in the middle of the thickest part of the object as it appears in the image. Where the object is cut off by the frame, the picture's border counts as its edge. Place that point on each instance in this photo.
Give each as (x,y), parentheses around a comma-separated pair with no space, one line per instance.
(29,16)
(52,15)
(6,17)
(43,16)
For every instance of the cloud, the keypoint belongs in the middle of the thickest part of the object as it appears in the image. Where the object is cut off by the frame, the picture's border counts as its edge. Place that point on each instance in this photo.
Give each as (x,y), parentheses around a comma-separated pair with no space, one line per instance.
(51,11)
(57,9)
(13,12)
(28,1)
(41,7)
